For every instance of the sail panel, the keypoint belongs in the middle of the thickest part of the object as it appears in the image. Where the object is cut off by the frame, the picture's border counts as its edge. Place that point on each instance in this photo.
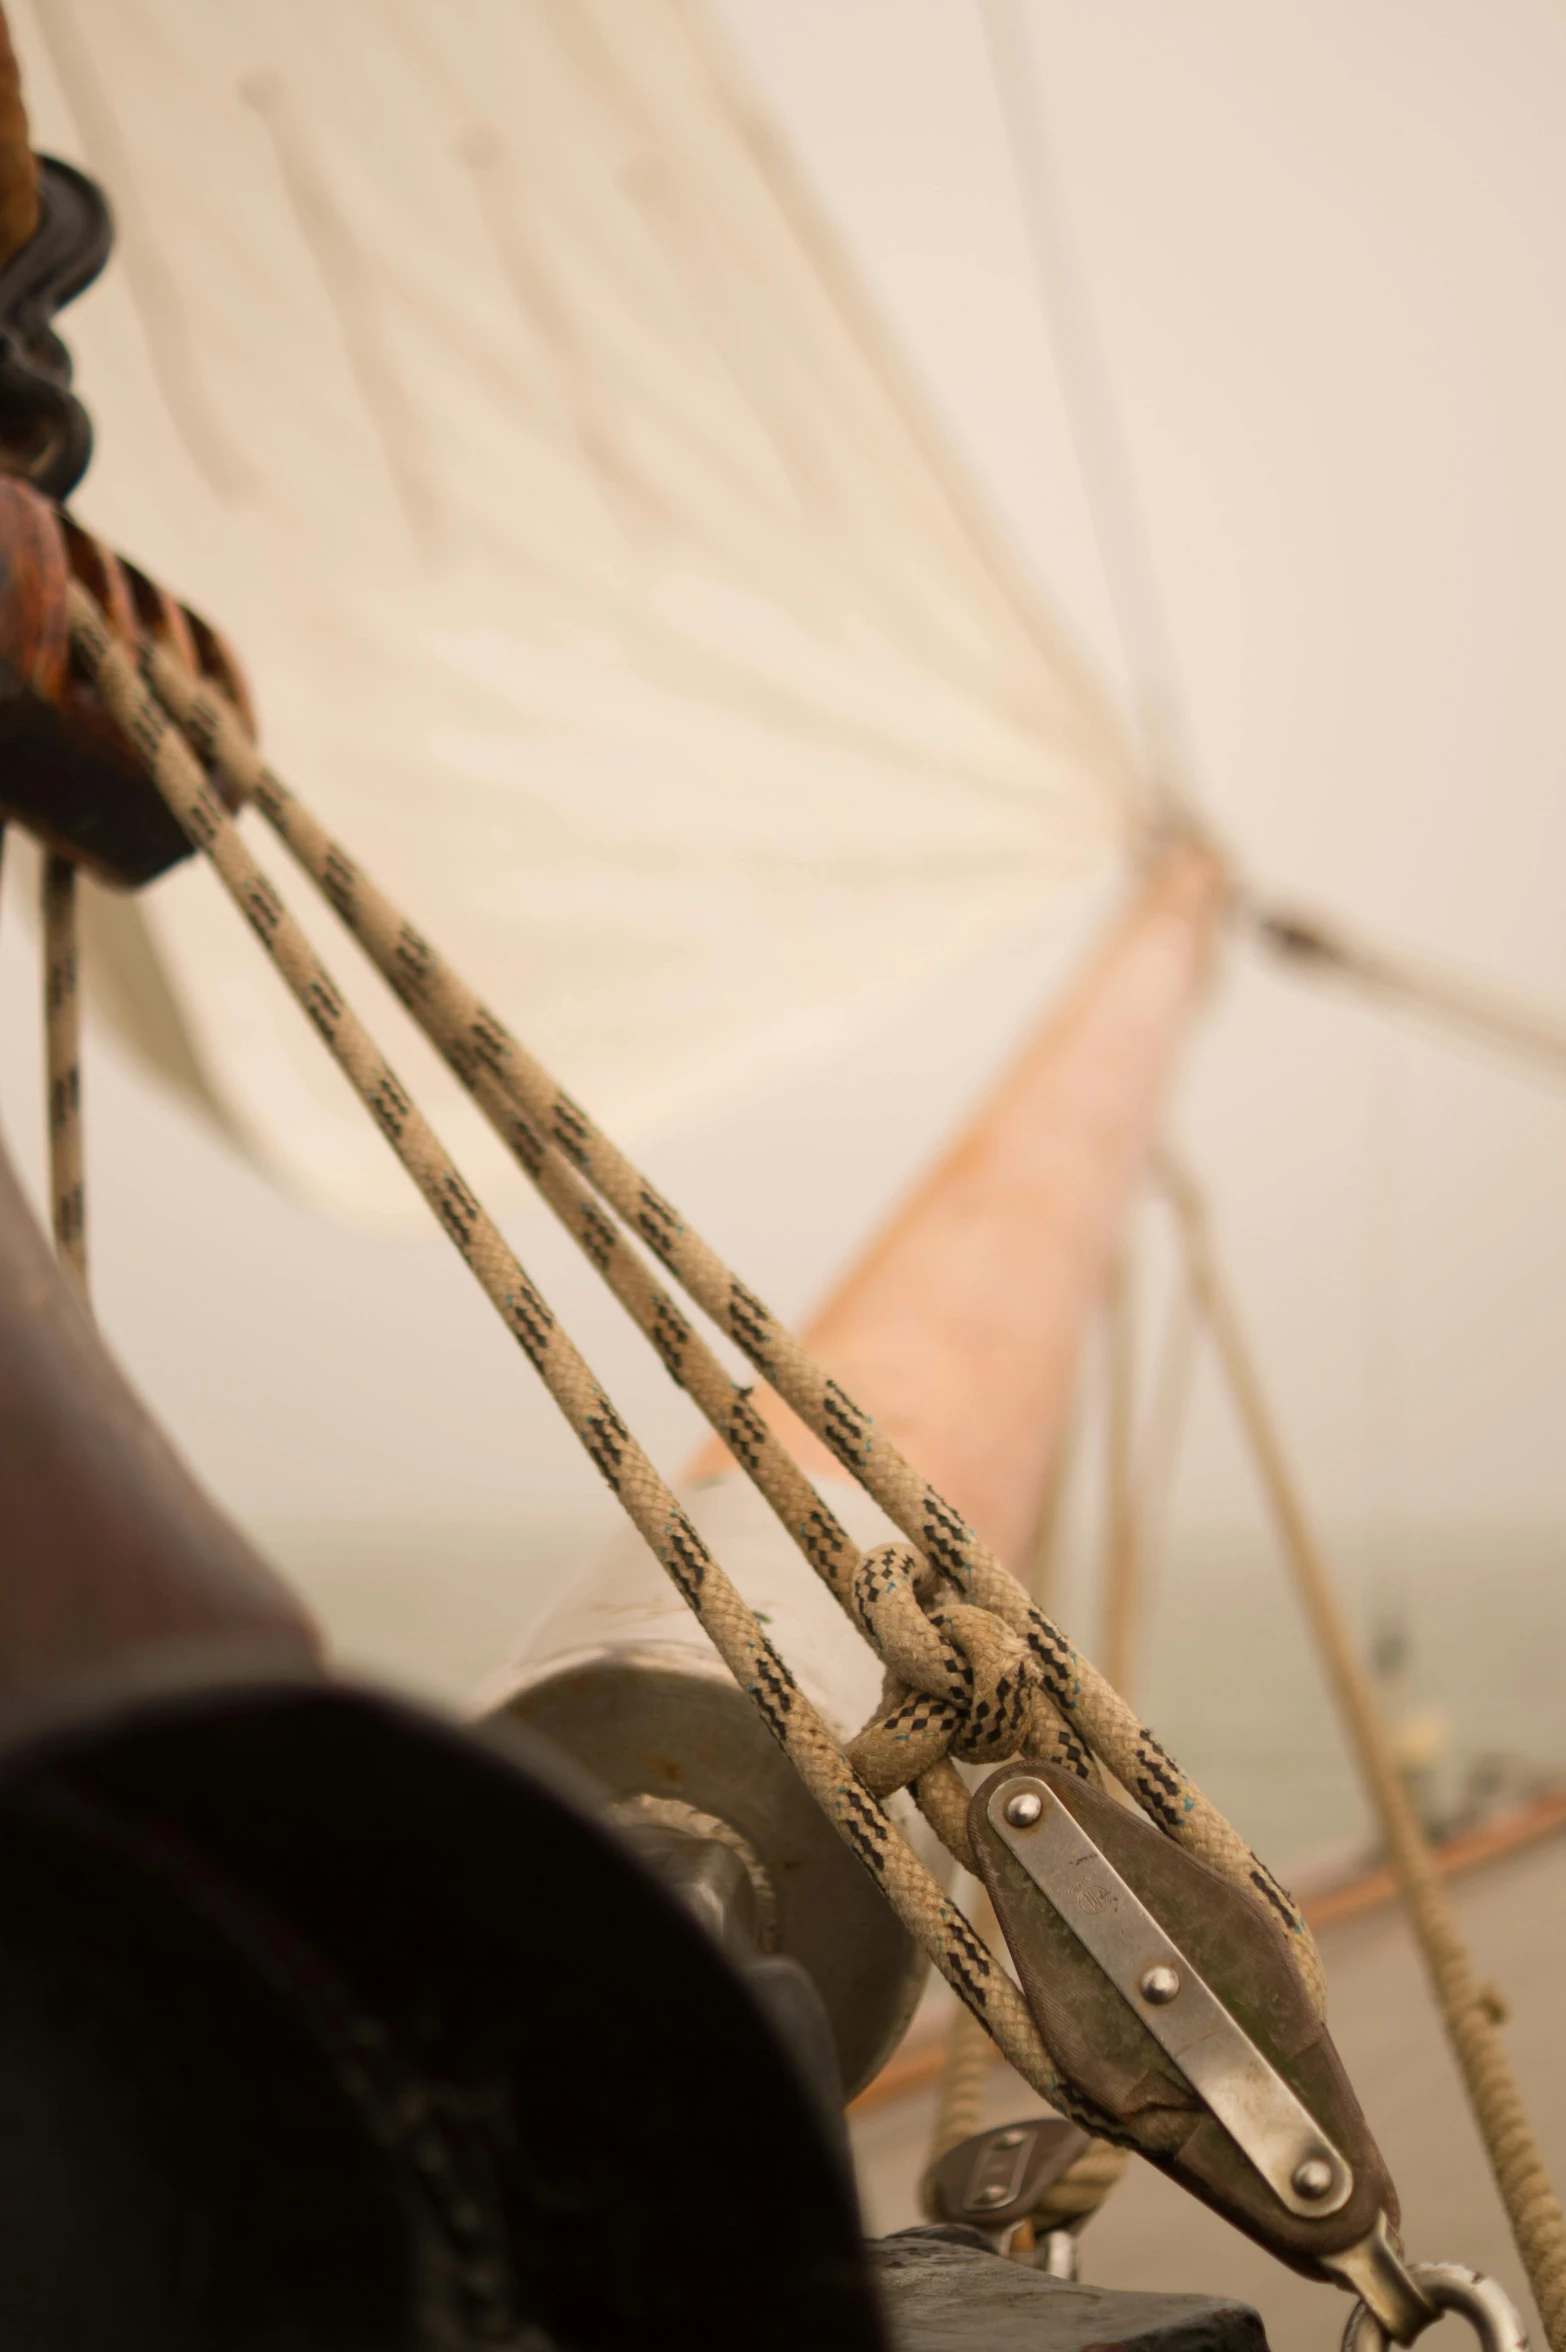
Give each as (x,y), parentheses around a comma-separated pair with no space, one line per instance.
(598,580)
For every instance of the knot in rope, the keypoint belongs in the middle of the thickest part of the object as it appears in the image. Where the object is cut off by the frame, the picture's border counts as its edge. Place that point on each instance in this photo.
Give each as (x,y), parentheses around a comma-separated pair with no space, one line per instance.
(959,1679)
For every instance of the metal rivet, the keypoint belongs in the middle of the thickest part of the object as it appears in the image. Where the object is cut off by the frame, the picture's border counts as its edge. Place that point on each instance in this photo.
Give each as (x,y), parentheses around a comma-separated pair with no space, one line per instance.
(1024,1808)
(1159,1984)
(1009,2139)
(1314,2177)
(995,2194)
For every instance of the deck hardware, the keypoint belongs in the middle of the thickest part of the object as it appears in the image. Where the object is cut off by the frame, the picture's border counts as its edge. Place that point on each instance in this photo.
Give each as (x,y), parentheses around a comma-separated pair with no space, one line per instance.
(66,772)
(1267,2122)
(1447,2286)
(1376,2272)
(997,2180)
(1023,1808)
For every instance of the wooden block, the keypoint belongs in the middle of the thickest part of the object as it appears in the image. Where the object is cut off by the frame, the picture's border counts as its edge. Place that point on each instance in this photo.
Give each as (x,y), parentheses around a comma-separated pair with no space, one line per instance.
(66,774)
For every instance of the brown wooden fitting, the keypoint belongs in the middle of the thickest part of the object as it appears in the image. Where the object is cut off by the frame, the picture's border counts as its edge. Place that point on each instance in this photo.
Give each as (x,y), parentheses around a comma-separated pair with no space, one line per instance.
(193,641)
(101,572)
(218,666)
(66,774)
(161,617)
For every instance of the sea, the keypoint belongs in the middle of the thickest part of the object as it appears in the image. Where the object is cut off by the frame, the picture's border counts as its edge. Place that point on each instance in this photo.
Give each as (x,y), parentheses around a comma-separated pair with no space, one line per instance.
(1465,1633)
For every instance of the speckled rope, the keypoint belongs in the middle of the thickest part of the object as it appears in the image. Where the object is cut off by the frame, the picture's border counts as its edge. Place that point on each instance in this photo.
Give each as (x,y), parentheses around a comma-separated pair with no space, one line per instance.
(907,1739)
(906,1742)
(935,1922)
(1469,2009)
(959,1681)
(1088,2178)
(485,1053)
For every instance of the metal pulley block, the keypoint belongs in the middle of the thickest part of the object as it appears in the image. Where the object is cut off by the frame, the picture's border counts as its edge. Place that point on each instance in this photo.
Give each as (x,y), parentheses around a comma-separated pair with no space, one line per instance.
(996,2179)
(1170,2005)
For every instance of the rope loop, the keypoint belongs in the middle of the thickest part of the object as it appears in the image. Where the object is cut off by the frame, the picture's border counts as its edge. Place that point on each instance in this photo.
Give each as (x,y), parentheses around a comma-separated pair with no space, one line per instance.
(1006,1684)
(893,1590)
(960,1680)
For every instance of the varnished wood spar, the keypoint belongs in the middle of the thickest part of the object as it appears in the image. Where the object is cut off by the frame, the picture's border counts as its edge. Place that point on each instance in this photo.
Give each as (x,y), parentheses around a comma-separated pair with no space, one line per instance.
(107,1544)
(960,1327)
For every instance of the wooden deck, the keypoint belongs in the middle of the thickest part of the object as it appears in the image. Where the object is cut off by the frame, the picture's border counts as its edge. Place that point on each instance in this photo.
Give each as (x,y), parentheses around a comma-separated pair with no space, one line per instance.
(1151,2235)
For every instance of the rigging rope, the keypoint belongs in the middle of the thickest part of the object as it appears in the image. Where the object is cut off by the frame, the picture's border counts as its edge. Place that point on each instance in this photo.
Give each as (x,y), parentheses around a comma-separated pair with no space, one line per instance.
(1166,1415)
(1073,1706)
(959,2114)
(1468,2008)
(972,1665)
(63,1058)
(1041,1575)
(936,1923)
(965,2071)
(1086,2182)
(1311,946)
(1122,1536)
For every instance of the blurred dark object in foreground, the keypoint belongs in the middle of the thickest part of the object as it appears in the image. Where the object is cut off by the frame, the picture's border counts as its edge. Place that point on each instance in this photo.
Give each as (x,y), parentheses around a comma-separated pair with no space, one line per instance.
(327,2026)
(323,2025)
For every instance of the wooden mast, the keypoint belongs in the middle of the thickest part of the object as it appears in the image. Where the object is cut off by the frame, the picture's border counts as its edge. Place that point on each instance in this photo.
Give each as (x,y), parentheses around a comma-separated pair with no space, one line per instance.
(960,1326)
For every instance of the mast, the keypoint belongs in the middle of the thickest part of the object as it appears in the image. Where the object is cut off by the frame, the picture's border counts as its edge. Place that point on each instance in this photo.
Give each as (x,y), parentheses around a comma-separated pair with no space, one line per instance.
(961,1324)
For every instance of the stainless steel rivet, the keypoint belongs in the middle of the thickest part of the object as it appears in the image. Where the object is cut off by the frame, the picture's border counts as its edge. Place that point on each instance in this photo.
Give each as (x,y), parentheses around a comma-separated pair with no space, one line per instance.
(1159,1984)
(995,2194)
(1024,1808)
(1009,2139)
(1314,2177)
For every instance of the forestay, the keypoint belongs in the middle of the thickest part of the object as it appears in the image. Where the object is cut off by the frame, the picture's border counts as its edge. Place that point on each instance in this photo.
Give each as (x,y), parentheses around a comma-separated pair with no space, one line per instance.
(484,371)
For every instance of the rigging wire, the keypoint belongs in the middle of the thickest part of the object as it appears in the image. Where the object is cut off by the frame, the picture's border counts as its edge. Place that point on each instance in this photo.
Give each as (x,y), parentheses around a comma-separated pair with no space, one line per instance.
(1102,457)
(1125,558)
(1513,1023)
(1470,2010)
(1141,1464)
(1120,1568)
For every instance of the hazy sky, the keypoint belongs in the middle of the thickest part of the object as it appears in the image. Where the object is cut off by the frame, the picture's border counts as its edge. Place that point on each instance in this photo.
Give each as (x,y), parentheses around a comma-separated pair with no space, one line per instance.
(1324,244)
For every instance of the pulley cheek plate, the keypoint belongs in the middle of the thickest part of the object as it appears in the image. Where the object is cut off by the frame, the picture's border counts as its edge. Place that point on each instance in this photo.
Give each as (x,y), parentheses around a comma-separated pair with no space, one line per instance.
(1109,2052)
(65,772)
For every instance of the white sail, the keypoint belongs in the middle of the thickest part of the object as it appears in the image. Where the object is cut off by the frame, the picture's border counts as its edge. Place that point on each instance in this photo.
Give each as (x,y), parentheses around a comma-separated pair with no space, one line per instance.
(477,370)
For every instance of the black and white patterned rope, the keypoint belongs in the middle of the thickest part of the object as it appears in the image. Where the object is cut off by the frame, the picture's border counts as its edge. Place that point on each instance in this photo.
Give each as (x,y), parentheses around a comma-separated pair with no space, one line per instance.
(1080,1712)
(932,1918)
